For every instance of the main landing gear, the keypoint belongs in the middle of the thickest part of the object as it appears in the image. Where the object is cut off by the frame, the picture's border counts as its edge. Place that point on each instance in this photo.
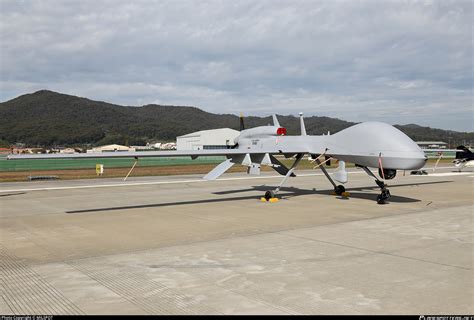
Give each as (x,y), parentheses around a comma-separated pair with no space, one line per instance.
(270,194)
(384,192)
(338,189)
(385,195)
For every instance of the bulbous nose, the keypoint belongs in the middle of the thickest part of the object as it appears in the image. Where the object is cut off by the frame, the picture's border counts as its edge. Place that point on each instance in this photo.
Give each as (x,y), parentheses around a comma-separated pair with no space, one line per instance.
(419,161)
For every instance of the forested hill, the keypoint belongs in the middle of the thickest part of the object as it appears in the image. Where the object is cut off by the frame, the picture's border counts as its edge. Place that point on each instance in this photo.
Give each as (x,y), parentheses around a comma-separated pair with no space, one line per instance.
(48,118)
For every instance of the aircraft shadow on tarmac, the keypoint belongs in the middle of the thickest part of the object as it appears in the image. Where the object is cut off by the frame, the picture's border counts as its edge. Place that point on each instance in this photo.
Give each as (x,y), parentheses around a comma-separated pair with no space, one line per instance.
(285,193)
(12,194)
(354,192)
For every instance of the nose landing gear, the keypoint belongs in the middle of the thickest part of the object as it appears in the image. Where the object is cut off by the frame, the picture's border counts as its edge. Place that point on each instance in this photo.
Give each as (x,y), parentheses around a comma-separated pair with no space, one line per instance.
(269,195)
(384,192)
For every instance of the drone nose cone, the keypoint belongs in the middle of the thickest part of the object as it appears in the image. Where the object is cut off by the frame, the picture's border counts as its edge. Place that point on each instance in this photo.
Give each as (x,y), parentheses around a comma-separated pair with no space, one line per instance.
(412,155)
(419,160)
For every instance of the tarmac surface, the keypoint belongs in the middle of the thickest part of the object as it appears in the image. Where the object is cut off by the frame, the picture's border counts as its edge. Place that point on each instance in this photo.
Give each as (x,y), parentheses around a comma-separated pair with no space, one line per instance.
(179,245)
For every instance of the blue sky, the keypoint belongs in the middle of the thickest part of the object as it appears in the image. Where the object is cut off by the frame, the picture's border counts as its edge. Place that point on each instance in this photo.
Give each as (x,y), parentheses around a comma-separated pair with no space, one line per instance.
(394,61)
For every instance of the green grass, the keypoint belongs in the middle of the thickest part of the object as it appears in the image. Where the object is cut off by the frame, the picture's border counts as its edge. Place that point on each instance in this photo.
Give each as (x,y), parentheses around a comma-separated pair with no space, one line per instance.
(64,164)
(446,155)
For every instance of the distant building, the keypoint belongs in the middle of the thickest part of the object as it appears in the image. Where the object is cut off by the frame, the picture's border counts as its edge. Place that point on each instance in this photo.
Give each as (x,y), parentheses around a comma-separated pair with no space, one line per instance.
(161,145)
(67,150)
(6,150)
(142,148)
(28,150)
(168,146)
(111,148)
(207,139)
(156,145)
(432,144)
(64,150)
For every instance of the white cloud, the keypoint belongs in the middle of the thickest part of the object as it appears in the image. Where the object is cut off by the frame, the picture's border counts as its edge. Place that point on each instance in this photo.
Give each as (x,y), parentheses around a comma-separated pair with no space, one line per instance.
(358,60)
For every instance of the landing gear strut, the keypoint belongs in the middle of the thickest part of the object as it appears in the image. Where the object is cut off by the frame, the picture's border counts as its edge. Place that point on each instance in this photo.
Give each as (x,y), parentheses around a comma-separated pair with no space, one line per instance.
(338,189)
(272,193)
(384,192)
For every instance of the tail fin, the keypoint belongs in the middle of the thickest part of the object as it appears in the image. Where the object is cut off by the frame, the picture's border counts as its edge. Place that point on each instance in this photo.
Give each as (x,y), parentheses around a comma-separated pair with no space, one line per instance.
(242,127)
(275,121)
(302,126)
(465,154)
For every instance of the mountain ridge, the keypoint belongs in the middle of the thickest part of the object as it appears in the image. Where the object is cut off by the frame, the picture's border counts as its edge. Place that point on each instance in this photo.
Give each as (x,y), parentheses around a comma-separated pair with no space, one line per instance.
(46,118)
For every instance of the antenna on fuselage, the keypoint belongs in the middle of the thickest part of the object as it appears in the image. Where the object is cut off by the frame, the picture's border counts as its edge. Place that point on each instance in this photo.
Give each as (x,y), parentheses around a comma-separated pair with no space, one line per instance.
(275,121)
(242,127)
(303,128)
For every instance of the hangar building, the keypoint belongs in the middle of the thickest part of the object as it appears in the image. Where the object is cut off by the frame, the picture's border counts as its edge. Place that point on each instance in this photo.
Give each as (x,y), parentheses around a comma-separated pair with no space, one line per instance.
(432,144)
(207,139)
(110,148)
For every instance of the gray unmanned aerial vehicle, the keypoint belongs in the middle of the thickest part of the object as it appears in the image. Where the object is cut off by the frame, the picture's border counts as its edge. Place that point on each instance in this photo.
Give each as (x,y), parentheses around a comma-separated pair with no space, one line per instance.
(367,145)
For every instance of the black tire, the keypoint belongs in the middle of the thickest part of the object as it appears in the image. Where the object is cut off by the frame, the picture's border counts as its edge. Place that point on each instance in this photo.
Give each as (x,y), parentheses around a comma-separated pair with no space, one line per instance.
(269,194)
(380,199)
(385,195)
(339,190)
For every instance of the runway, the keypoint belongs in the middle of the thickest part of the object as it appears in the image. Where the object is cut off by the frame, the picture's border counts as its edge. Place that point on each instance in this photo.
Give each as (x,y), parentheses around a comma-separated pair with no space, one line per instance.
(119,182)
(176,245)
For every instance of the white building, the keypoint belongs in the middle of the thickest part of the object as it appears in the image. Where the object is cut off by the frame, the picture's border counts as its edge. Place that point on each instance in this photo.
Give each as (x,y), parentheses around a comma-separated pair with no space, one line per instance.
(110,148)
(432,144)
(142,148)
(156,145)
(168,146)
(207,139)
(67,150)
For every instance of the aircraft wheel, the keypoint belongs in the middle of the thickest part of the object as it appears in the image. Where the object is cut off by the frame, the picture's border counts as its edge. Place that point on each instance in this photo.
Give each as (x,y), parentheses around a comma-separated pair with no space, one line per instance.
(385,195)
(339,190)
(380,199)
(269,194)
